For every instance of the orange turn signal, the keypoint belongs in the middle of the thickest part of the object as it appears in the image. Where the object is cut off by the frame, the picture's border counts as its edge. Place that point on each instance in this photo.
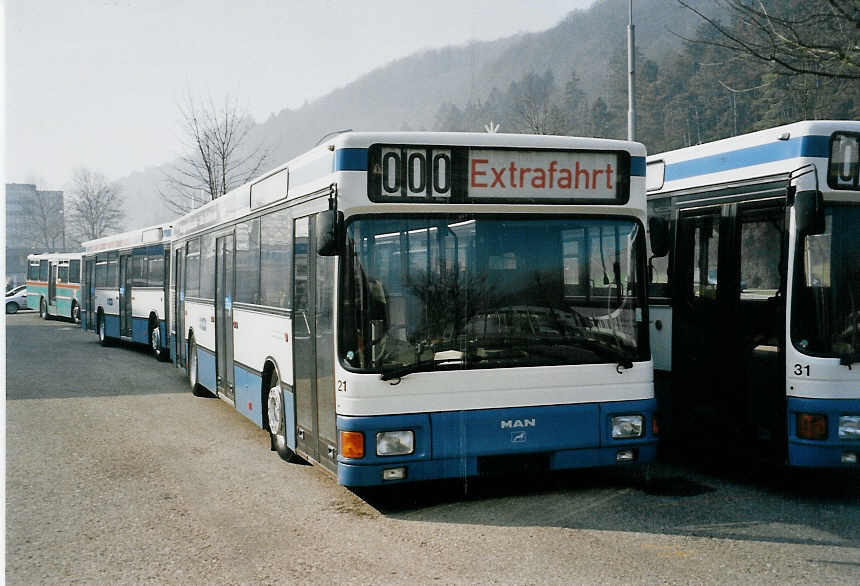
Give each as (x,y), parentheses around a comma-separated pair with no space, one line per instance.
(812,426)
(655,427)
(352,444)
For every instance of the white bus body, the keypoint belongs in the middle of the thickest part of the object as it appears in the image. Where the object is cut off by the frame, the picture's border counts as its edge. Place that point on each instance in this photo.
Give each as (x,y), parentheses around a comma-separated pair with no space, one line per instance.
(752,323)
(125,287)
(377,363)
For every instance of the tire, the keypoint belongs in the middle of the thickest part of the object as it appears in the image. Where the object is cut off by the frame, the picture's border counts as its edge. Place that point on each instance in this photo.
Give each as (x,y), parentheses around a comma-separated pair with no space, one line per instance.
(11,307)
(100,330)
(276,419)
(43,309)
(197,389)
(76,312)
(155,341)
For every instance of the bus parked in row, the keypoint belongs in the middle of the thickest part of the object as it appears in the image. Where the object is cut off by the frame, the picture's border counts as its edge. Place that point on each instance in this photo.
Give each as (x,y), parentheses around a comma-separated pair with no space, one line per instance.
(756,309)
(125,287)
(411,306)
(54,285)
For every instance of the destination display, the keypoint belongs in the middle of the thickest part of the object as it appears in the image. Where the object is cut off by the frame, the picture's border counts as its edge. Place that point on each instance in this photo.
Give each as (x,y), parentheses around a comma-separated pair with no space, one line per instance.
(411,173)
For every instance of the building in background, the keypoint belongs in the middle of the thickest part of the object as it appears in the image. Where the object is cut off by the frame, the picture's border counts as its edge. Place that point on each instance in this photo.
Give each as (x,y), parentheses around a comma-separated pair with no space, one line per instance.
(35,222)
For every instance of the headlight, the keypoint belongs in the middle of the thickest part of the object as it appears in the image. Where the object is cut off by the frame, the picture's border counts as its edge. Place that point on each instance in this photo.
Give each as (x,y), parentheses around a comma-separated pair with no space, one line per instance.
(849,427)
(628,426)
(395,443)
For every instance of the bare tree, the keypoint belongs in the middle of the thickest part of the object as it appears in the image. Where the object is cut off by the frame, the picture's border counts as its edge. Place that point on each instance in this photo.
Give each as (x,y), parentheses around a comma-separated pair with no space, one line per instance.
(44,221)
(532,104)
(810,37)
(95,209)
(218,156)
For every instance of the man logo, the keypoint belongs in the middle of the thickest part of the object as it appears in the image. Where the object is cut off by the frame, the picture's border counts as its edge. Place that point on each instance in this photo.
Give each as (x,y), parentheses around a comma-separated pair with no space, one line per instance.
(514,423)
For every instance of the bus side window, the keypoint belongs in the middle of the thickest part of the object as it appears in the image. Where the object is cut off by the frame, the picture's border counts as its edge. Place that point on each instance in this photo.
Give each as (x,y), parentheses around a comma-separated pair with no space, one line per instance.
(248,262)
(276,266)
(74,271)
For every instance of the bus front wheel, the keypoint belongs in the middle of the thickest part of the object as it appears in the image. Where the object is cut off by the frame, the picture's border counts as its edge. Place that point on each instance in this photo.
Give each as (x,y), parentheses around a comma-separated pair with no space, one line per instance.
(100,329)
(76,312)
(196,388)
(155,340)
(277,425)
(43,309)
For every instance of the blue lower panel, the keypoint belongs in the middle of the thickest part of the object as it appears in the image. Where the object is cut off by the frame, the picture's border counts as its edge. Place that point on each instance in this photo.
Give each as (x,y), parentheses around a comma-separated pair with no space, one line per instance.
(111,326)
(140,330)
(206,369)
(825,453)
(247,386)
(453,444)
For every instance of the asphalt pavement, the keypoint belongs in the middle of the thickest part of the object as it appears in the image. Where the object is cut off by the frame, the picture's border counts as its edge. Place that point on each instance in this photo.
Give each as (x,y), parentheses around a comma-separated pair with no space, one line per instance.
(116,474)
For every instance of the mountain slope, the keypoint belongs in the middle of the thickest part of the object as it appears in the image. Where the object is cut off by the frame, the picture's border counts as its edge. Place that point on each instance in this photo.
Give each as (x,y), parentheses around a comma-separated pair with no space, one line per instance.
(407,93)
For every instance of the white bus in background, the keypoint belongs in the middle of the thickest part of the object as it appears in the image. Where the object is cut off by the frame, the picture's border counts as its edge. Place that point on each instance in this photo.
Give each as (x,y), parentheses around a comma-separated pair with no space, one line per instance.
(756,309)
(54,284)
(411,306)
(125,287)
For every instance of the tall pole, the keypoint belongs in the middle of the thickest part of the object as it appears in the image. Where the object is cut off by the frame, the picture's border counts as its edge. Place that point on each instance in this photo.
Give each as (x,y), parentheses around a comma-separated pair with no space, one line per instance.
(631,74)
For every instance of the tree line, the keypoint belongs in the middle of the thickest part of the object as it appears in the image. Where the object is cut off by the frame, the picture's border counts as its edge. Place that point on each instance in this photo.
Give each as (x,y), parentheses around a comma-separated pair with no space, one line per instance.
(786,61)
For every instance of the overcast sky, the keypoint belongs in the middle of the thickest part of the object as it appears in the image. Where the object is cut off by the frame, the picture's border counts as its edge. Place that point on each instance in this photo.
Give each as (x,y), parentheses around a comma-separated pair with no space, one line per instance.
(96,83)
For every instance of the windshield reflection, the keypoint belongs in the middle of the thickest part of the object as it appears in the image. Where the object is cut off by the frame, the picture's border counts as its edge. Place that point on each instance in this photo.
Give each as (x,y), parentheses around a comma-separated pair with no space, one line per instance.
(441,292)
(826,298)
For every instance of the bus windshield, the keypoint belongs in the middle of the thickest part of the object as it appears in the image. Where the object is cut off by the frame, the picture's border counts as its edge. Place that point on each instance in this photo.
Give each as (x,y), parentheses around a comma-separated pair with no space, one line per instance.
(471,291)
(826,299)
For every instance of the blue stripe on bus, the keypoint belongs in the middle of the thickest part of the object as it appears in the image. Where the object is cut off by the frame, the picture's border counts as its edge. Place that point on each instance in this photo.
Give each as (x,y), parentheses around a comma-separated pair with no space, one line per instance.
(350,160)
(821,453)
(802,146)
(637,166)
(449,444)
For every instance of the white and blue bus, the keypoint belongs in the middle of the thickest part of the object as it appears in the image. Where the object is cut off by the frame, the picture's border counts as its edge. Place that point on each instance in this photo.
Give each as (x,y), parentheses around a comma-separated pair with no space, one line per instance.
(125,287)
(412,306)
(755,310)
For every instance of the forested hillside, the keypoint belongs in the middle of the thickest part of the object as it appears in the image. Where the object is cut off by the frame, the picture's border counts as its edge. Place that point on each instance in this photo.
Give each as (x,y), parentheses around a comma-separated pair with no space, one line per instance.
(570,79)
(696,93)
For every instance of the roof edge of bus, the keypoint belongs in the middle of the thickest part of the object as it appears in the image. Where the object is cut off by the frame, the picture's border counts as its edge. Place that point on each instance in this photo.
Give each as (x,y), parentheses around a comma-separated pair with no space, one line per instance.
(794,129)
(363,139)
(123,236)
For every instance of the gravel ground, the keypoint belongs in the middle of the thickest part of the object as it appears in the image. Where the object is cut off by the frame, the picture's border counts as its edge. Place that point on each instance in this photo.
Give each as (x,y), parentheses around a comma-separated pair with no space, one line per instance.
(117,474)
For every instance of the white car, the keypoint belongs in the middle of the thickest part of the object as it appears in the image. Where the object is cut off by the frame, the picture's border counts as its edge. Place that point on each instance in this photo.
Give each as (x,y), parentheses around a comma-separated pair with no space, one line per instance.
(16,299)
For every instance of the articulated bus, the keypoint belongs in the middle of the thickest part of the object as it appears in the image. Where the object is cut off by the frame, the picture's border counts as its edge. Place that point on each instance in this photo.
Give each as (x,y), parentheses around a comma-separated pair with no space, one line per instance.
(125,288)
(54,285)
(399,307)
(755,310)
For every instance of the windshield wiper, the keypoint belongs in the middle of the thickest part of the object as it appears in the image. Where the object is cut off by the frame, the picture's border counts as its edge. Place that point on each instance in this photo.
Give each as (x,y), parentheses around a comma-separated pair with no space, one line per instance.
(612,351)
(450,358)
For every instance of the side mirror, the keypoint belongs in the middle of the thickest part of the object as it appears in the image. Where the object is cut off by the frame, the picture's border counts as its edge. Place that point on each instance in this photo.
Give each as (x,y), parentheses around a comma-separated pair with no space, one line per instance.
(658,231)
(329,228)
(809,213)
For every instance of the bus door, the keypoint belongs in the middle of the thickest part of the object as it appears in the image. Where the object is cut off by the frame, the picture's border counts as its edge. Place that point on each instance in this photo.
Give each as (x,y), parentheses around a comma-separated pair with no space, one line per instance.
(760,341)
(124,296)
(313,344)
(179,314)
(52,283)
(224,284)
(88,287)
(699,326)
